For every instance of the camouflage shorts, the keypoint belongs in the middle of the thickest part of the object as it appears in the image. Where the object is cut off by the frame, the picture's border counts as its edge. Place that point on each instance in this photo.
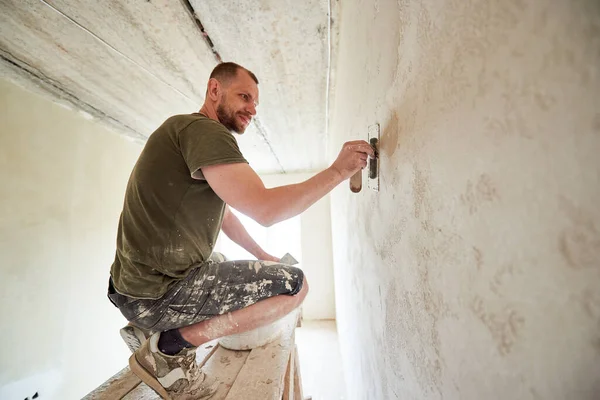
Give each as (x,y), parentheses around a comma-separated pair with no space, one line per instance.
(215,288)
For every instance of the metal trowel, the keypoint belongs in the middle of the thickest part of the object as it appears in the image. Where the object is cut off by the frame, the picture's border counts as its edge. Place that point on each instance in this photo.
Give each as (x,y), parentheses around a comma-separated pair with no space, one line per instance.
(288,259)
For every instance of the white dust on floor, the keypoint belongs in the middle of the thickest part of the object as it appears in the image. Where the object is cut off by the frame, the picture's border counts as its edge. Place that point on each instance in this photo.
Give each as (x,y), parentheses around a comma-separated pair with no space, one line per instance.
(320,360)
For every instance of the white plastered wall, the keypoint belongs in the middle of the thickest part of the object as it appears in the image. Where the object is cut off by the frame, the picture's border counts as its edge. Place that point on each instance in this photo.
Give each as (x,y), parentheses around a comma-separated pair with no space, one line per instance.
(475,272)
(63,179)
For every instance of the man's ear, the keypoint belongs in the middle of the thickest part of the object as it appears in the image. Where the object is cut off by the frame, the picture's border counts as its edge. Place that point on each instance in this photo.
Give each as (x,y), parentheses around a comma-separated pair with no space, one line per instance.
(214,89)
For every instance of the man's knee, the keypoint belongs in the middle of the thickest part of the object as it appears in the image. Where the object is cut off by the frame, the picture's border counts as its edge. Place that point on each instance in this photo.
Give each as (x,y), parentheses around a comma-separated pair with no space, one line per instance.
(303,291)
(304,285)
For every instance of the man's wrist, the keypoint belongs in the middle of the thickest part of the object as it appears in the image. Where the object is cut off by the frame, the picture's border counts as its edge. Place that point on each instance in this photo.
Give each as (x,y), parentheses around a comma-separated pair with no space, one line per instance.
(335,173)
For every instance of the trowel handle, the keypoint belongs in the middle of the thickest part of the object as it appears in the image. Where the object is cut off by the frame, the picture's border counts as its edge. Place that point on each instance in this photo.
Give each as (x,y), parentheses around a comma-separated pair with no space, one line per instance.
(356,182)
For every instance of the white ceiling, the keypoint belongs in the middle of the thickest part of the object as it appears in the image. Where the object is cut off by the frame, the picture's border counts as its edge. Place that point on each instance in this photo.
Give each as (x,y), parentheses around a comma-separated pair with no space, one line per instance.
(133,63)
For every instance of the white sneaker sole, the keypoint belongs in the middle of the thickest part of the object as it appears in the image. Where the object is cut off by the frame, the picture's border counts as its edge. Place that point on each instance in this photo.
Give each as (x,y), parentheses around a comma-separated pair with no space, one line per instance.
(133,337)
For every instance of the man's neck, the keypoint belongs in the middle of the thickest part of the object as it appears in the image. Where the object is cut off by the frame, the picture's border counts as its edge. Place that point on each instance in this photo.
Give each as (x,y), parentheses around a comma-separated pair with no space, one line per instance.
(210,112)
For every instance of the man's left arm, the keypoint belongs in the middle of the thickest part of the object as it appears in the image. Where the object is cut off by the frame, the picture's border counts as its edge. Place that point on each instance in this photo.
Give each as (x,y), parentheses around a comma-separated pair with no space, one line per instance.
(235,231)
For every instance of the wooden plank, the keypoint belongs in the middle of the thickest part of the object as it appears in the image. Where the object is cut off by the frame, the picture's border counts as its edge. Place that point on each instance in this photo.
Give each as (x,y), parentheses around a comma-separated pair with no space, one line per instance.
(205,351)
(142,392)
(288,386)
(225,366)
(261,378)
(222,364)
(297,376)
(116,387)
(258,374)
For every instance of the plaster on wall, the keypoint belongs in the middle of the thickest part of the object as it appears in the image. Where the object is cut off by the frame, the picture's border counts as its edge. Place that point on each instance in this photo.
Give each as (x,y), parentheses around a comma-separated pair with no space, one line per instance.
(473,273)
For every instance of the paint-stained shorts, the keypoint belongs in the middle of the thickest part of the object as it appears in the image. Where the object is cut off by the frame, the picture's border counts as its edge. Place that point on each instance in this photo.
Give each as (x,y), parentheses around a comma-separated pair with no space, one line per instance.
(217,287)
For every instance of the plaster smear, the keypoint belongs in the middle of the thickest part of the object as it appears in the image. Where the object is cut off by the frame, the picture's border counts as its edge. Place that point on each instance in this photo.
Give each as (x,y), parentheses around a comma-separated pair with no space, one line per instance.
(472,273)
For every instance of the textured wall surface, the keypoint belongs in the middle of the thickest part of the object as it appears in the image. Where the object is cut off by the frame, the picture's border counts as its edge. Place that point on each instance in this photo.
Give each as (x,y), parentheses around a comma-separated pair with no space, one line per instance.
(63,179)
(475,272)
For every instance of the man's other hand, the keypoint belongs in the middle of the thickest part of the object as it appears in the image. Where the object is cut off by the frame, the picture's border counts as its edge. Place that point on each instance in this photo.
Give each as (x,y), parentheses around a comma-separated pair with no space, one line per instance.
(268,257)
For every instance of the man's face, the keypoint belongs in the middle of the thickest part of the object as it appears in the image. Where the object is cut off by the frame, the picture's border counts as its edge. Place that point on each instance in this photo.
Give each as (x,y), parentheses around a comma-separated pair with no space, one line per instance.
(238,103)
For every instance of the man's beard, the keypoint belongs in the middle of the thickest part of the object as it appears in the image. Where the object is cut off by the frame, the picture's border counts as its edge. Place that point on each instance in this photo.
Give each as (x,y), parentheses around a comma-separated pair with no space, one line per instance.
(228,119)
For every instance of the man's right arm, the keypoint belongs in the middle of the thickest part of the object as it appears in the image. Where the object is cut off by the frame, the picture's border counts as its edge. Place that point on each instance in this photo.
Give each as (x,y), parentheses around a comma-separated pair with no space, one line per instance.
(239,186)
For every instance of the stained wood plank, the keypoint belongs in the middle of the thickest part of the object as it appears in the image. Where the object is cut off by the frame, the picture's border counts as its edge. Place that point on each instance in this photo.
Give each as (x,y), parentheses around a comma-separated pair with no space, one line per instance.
(205,351)
(288,387)
(225,366)
(261,378)
(258,374)
(297,376)
(142,392)
(116,387)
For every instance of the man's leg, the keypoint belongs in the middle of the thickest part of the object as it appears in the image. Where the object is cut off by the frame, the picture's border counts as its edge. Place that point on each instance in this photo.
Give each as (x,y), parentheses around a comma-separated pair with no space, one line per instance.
(217,289)
(218,299)
(259,314)
(230,297)
(133,335)
(202,305)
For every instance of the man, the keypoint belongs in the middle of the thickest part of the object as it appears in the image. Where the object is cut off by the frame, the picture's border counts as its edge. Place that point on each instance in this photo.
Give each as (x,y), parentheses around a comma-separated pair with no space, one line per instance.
(165,279)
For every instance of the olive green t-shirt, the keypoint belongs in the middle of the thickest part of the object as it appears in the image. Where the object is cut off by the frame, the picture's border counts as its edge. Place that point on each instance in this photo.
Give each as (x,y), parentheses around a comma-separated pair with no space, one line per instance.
(171,216)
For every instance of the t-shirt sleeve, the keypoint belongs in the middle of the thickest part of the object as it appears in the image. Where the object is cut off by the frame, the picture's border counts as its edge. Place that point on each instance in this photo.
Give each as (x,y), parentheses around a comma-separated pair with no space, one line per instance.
(206,142)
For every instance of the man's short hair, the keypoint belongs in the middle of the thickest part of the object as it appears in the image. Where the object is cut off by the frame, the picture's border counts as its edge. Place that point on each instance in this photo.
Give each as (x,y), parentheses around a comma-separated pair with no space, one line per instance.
(226,71)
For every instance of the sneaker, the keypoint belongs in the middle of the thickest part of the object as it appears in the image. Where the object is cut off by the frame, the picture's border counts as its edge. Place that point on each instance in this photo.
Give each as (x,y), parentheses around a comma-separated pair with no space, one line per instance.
(172,377)
(134,336)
